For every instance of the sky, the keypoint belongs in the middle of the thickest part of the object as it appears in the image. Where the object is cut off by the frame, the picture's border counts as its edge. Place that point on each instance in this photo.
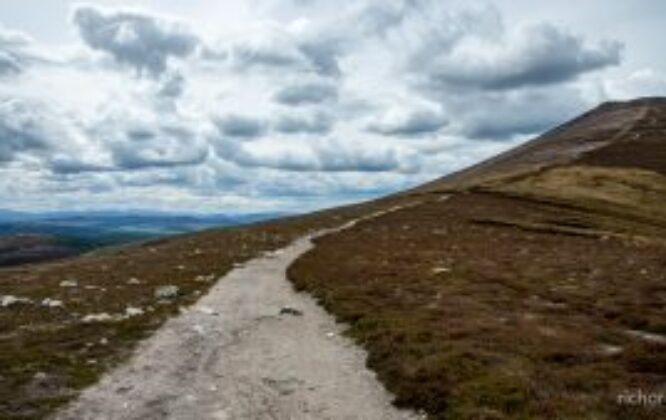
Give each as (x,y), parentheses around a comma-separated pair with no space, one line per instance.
(292,105)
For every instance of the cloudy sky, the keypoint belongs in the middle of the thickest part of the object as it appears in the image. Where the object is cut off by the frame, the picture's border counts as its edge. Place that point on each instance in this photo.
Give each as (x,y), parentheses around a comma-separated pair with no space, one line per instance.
(253,105)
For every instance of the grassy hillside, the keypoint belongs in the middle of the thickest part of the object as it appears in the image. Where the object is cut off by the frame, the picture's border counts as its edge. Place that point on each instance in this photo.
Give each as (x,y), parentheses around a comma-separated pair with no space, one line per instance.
(64,324)
(536,290)
(530,286)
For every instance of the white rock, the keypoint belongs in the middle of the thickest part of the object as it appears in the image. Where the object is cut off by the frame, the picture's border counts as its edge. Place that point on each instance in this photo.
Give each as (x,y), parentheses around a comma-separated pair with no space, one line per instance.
(166,292)
(13,300)
(655,338)
(52,303)
(133,280)
(103,317)
(441,270)
(132,312)
(69,283)
(206,310)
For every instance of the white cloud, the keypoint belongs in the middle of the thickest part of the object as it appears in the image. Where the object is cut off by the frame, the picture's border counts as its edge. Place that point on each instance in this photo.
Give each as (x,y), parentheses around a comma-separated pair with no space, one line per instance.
(536,55)
(267,103)
(142,41)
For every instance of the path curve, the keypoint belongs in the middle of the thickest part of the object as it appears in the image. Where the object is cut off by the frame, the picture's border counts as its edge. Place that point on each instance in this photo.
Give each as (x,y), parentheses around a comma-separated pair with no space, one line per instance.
(234,356)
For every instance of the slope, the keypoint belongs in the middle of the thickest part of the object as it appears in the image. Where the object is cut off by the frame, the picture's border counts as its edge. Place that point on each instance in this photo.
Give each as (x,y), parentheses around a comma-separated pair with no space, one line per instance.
(530,286)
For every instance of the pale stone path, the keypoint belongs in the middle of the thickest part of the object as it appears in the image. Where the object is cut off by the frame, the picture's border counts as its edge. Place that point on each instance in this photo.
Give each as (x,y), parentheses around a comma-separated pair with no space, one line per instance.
(234,356)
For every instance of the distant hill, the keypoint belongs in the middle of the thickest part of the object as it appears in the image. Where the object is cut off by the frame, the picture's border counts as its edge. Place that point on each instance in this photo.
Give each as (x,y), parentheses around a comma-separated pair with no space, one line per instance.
(41,237)
(24,249)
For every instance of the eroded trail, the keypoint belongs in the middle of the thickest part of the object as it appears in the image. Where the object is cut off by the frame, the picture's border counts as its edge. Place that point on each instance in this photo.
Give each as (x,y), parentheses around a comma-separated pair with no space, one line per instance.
(236,355)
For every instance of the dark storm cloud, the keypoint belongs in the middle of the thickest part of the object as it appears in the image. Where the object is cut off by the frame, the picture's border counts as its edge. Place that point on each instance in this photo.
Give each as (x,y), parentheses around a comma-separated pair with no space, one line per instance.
(141,41)
(308,93)
(545,55)
(240,126)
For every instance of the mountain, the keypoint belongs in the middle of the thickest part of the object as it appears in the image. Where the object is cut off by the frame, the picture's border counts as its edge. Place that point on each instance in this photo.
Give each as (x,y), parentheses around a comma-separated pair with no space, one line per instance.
(532,285)
(78,232)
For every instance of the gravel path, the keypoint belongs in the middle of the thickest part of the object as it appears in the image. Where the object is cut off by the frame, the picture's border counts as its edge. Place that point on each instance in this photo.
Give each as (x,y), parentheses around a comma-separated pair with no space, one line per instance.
(235,356)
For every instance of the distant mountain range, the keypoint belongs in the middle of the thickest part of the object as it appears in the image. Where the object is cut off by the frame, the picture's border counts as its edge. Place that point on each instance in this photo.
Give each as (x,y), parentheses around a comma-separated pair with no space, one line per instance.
(32,237)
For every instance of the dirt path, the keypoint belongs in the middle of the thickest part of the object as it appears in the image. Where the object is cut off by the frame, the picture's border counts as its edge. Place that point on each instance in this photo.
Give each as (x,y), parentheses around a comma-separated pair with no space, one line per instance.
(235,356)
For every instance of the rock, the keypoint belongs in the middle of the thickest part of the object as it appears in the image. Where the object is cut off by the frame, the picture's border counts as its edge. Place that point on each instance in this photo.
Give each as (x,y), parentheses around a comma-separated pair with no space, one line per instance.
(69,283)
(290,311)
(134,281)
(52,303)
(610,350)
(103,317)
(9,300)
(441,270)
(40,376)
(206,310)
(131,312)
(205,279)
(167,292)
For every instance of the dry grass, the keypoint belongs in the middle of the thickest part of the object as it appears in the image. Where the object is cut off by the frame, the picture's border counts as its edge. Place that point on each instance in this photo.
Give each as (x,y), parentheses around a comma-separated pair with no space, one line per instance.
(618,202)
(47,354)
(474,320)
(527,295)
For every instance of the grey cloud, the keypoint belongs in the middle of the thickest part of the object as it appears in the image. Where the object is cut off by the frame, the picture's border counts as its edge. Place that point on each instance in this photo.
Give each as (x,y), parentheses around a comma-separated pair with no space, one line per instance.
(280,51)
(141,41)
(307,93)
(24,128)
(9,64)
(166,146)
(499,117)
(14,54)
(69,165)
(545,55)
(318,123)
(415,123)
(323,155)
(323,55)
(173,86)
(244,57)
(240,126)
